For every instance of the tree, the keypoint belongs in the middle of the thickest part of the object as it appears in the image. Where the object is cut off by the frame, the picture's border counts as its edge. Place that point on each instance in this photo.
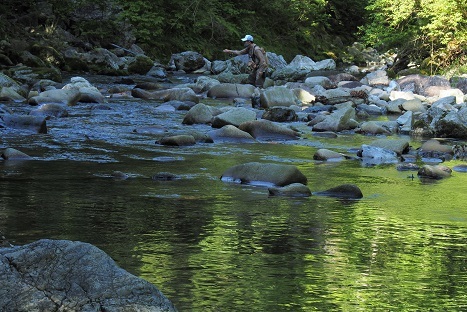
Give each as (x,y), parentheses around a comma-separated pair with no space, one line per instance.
(430,33)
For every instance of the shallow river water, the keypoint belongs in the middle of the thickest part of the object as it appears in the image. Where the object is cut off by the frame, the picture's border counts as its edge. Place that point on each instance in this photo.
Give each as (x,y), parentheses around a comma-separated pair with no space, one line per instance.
(209,245)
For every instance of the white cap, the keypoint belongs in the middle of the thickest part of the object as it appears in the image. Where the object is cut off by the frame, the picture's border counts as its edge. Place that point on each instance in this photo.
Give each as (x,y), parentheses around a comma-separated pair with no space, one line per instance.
(248,38)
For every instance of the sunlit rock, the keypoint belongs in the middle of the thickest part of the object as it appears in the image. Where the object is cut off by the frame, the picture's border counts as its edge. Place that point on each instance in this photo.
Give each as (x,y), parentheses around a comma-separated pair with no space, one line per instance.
(328,155)
(434,172)
(58,96)
(88,93)
(372,155)
(277,96)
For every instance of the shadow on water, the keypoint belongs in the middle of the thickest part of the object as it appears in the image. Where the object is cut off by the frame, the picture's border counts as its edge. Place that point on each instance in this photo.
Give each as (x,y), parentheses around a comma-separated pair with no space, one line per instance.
(215,246)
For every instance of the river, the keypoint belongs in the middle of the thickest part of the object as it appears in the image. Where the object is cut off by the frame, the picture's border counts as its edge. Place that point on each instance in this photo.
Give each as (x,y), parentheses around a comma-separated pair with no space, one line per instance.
(210,245)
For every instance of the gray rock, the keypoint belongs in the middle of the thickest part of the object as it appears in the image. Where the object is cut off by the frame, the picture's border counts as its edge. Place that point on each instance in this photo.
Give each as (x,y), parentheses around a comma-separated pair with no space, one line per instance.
(58,275)
(231,90)
(198,114)
(327,155)
(188,61)
(268,130)
(376,78)
(234,116)
(341,119)
(58,96)
(264,173)
(231,134)
(277,96)
(372,155)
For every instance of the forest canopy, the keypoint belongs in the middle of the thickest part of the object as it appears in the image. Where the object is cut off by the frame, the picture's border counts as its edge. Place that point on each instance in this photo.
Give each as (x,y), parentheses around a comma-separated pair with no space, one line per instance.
(431,34)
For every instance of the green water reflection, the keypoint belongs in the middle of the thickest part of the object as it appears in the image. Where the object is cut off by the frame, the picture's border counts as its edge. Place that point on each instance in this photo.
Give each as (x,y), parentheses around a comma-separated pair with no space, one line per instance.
(212,246)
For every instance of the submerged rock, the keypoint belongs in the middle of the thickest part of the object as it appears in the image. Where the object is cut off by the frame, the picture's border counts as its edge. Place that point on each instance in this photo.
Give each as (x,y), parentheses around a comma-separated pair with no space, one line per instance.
(345,191)
(178,140)
(291,190)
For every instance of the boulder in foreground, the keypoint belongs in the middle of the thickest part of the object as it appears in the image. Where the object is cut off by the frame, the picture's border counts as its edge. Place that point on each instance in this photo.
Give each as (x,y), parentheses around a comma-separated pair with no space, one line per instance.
(59,275)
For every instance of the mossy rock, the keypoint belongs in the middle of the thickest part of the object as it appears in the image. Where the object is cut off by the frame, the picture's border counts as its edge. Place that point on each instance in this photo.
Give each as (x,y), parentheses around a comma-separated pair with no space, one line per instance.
(141,65)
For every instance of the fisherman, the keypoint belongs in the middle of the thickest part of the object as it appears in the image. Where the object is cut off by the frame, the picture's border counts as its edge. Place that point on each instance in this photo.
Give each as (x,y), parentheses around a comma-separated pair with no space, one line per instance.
(257,63)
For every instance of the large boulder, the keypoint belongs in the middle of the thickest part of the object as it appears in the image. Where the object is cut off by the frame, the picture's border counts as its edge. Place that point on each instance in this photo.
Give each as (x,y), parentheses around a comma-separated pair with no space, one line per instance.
(278,96)
(188,61)
(88,93)
(59,275)
(264,173)
(453,124)
(298,69)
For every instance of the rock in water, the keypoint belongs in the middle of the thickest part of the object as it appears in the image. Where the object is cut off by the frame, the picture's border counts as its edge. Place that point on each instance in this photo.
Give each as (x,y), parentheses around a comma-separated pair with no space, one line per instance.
(59,275)
(259,173)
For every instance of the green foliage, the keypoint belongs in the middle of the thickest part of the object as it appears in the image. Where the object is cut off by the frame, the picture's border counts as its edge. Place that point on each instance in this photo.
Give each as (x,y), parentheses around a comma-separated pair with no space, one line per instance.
(430,33)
